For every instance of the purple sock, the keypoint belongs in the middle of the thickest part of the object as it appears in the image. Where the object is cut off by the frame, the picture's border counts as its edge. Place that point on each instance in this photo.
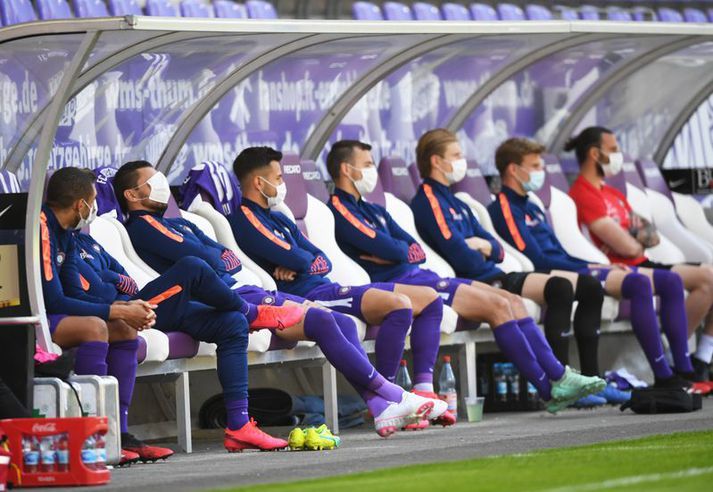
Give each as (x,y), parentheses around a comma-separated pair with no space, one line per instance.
(674,321)
(121,363)
(390,341)
(425,340)
(91,358)
(515,347)
(542,350)
(237,411)
(637,289)
(349,330)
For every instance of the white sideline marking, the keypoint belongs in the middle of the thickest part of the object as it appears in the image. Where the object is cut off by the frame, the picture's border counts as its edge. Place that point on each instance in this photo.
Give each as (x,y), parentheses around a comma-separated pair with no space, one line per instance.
(634,480)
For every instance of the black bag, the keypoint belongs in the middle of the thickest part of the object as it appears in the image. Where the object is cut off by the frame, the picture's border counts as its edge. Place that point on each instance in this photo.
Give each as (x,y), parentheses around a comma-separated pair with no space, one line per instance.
(658,400)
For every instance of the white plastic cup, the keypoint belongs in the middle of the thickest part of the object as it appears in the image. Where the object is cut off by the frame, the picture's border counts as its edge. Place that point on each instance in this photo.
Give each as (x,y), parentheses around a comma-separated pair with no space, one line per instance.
(474,408)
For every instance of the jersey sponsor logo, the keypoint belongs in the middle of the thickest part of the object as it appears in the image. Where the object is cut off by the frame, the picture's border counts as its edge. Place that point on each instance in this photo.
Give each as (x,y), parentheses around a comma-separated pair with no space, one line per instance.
(382,219)
(437,212)
(530,222)
(262,229)
(361,226)
(176,236)
(97,248)
(510,222)
(84,255)
(278,233)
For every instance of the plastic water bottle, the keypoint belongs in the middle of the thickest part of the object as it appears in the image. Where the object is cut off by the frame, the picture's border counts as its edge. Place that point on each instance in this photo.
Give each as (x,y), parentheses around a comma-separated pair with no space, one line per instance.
(100,451)
(30,454)
(48,456)
(501,383)
(62,445)
(402,377)
(89,454)
(531,392)
(447,385)
(514,382)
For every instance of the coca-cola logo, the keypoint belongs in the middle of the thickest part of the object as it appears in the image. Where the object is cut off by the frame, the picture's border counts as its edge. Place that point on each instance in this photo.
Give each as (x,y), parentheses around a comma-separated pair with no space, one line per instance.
(48,427)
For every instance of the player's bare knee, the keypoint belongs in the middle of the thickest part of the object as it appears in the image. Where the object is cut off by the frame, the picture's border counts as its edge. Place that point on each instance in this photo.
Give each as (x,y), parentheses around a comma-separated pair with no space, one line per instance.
(499,310)
(95,330)
(122,331)
(399,301)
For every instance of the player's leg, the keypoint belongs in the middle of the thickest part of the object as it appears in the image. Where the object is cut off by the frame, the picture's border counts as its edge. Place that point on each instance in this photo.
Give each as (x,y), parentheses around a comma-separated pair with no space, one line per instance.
(698,281)
(91,337)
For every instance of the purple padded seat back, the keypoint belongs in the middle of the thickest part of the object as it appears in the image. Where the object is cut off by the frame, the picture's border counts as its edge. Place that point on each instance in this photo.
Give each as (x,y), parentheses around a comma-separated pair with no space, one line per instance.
(90,8)
(588,12)
(366,11)
(538,12)
(510,12)
(426,12)
(694,15)
(314,182)
(670,15)
(9,182)
(106,200)
(181,345)
(196,8)
(710,15)
(395,11)
(629,174)
(618,14)
(260,9)
(161,8)
(227,9)
(215,184)
(16,11)
(377,196)
(555,175)
(124,7)
(474,184)
(652,177)
(396,178)
(643,14)
(415,176)
(296,198)
(455,12)
(53,9)
(483,12)
(566,13)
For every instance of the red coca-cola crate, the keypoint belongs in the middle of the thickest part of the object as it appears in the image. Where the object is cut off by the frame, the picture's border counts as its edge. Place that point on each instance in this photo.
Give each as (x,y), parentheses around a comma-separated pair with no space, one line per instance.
(54,452)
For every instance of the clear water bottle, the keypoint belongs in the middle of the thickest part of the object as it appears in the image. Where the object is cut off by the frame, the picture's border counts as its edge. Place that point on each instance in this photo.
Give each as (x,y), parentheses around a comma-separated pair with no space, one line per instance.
(402,377)
(48,454)
(62,445)
(100,451)
(531,392)
(89,454)
(30,454)
(447,385)
(513,382)
(501,382)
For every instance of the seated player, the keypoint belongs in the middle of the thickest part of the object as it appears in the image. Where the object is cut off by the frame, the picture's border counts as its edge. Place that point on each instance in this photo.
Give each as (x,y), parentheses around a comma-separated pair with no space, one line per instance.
(188,298)
(523,224)
(164,242)
(623,236)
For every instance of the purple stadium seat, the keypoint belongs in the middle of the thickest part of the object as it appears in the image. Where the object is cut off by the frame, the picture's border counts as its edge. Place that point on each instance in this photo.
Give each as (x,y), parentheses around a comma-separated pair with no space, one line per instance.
(710,15)
(90,8)
(588,12)
(161,8)
(566,13)
(455,12)
(9,183)
(16,11)
(124,7)
(196,8)
(260,9)
(629,174)
(181,345)
(395,11)
(694,15)
(651,175)
(53,9)
(474,184)
(296,198)
(670,15)
(618,14)
(314,182)
(426,12)
(227,9)
(643,14)
(554,176)
(483,12)
(510,12)
(539,12)
(366,11)
(415,175)
(396,178)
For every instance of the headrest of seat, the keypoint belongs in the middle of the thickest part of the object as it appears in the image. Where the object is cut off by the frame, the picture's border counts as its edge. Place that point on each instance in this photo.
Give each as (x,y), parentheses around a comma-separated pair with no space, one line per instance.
(377,196)
(314,182)
(296,198)
(474,184)
(106,199)
(396,178)
(652,177)
(215,184)
(415,175)
(554,176)
(9,182)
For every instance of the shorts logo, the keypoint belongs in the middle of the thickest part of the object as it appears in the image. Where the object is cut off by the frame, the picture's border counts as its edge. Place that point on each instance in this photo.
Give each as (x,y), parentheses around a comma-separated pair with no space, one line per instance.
(344,290)
(60,258)
(442,284)
(268,300)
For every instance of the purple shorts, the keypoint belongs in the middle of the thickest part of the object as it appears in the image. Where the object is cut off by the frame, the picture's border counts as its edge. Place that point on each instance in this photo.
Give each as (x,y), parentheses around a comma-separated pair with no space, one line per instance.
(345,299)
(446,287)
(600,274)
(257,295)
(54,321)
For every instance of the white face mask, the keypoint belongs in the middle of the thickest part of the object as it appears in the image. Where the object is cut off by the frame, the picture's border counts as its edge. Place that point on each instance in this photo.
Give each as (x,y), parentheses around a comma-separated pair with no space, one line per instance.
(537,179)
(84,222)
(367,183)
(616,162)
(160,190)
(274,201)
(460,166)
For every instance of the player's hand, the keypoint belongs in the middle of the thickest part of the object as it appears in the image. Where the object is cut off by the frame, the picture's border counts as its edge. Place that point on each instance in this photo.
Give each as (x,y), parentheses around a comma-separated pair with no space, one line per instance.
(376,259)
(284,274)
(137,314)
(480,244)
